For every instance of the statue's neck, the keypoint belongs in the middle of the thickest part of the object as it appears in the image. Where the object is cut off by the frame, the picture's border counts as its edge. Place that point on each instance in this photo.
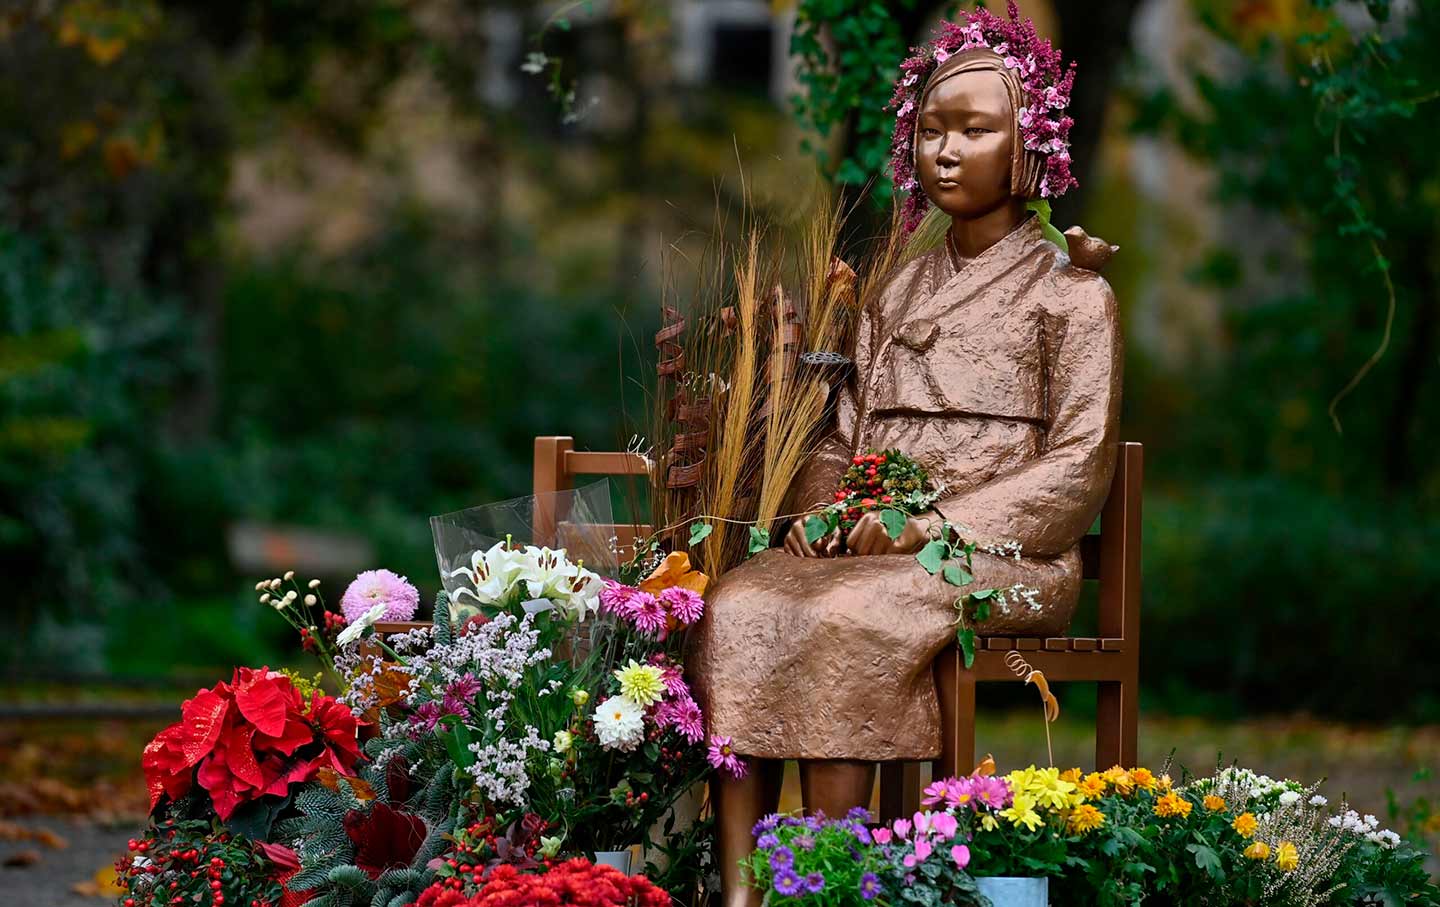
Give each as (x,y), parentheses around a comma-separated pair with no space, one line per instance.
(970,237)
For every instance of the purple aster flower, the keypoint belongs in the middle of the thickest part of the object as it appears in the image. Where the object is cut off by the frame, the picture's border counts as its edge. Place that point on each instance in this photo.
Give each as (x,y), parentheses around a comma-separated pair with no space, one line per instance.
(804,842)
(377,587)
(782,858)
(687,606)
(815,882)
(861,833)
(869,886)
(787,882)
(768,823)
(859,814)
(767,841)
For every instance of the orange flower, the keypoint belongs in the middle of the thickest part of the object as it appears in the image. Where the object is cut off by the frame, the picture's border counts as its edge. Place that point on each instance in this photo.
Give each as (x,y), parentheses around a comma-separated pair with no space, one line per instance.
(1119,779)
(1258,851)
(1172,804)
(675,571)
(1245,824)
(1084,818)
(1092,786)
(1143,778)
(1214,804)
(1072,775)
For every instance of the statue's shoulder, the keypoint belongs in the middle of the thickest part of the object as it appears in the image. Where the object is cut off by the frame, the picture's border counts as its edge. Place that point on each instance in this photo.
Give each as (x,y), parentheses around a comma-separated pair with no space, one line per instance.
(1075,279)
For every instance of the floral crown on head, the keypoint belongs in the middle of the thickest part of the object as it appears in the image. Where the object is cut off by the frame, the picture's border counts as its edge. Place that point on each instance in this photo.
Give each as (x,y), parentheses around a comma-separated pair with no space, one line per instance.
(1045,90)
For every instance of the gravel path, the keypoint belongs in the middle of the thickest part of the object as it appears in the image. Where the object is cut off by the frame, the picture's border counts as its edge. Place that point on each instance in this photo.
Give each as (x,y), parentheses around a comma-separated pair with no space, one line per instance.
(48,882)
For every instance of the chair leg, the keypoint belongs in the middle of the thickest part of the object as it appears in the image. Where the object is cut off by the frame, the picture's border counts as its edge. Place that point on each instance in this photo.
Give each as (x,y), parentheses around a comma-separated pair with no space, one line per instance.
(957,717)
(899,789)
(1117,724)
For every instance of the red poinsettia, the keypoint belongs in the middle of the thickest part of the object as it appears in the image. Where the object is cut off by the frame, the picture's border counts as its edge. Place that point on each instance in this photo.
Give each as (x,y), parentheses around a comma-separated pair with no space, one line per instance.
(251,737)
(384,838)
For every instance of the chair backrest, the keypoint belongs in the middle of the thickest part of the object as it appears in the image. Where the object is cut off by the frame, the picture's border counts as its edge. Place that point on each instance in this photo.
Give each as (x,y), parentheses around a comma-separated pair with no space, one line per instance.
(1111,556)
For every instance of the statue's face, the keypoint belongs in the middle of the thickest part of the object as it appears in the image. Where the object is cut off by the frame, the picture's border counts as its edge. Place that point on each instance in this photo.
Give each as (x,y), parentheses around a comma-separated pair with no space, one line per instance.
(963,145)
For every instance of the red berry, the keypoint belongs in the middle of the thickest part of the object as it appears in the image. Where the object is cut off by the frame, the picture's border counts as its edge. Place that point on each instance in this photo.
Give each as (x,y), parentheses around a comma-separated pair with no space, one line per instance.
(887,499)
(857,460)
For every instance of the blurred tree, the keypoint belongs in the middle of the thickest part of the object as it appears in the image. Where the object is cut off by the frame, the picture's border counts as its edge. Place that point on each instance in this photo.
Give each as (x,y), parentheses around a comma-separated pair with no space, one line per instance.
(1288,546)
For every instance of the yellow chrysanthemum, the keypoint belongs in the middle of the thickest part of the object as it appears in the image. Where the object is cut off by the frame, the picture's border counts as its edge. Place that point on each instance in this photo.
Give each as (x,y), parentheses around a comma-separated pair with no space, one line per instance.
(1172,804)
(641,684)
(1092,786)
(1044,786)
(1073,775)
(1021,812)
(1245,824)
(1214,804)
(1287,857)
(1084,818)
(1119,779)
(988,822)
(1163,783)
(1143,778)
(1258,851)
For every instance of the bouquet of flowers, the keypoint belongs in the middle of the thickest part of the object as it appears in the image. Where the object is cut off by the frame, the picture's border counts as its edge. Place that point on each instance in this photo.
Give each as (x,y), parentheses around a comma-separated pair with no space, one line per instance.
(887,481)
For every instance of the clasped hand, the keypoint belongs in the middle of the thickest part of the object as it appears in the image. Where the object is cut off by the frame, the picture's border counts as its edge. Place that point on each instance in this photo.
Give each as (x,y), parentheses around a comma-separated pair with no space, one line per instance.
(867,538)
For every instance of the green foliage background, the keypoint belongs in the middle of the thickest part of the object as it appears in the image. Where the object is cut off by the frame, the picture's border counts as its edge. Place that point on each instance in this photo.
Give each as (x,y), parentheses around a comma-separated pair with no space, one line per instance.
(163,375)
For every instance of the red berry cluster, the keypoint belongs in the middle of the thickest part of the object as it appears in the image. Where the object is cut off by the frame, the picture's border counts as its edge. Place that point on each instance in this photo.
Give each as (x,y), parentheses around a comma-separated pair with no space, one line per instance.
(876,479)
(478,851)
(194,863)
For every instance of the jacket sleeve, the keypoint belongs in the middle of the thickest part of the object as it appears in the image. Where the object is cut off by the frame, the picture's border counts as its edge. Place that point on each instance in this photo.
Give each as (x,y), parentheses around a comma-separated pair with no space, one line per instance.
(1048,503)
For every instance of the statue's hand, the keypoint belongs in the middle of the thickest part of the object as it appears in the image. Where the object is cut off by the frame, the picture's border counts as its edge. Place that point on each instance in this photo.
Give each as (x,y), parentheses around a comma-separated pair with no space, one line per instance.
(825,546)
(869,536)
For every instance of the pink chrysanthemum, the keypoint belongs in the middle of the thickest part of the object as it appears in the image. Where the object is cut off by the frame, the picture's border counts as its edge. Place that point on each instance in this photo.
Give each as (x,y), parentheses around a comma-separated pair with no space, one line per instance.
(374,587)
(687,606)
(723,757)
(672,676)
(648,613)
(1045,85)
(684,716)
(618,599)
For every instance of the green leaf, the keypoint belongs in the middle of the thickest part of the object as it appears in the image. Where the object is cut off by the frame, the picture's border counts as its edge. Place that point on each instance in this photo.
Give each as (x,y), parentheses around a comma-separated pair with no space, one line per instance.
(1208,860)
(966,638)
(983,594)
(956,576)
(699,532)
(759,541)
(814,529)
(932,556)
(894,522)
(457,742)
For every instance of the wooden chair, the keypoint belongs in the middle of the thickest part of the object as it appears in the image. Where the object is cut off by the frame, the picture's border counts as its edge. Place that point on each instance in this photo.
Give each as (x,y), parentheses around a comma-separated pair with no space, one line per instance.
(1111,660)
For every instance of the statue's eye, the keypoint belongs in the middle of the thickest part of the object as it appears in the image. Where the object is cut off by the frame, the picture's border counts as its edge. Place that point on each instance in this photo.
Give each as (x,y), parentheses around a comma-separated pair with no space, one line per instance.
(930,132)
(977,131)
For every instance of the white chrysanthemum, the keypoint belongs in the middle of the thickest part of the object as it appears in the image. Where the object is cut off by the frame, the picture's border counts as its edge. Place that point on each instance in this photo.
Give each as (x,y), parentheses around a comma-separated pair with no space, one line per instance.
(1289,798)
(619,723)
(1318,800)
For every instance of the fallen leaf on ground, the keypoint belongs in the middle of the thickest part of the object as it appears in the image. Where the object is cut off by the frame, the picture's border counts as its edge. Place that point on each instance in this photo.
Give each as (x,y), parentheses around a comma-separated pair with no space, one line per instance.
(23,858)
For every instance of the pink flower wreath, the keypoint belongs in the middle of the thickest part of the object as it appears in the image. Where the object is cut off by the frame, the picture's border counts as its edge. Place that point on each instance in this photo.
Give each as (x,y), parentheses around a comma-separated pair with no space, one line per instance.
(1044,126)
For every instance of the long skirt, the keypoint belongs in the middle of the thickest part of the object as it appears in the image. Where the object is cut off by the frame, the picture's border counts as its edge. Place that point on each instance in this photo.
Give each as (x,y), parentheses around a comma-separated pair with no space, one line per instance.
(830,658)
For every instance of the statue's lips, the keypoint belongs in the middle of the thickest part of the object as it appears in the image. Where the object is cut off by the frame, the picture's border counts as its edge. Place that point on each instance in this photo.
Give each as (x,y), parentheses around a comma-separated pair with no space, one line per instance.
(947,183)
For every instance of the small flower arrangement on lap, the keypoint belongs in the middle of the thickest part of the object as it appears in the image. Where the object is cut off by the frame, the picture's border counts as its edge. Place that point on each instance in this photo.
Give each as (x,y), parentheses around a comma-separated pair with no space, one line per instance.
(885,481)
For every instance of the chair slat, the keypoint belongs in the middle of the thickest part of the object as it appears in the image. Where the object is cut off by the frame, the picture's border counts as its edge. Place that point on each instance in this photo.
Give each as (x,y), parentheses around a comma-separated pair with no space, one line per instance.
(999,643)
(1084,644)
(1058,644)
(1110,644)
(1027,644)
(607,463)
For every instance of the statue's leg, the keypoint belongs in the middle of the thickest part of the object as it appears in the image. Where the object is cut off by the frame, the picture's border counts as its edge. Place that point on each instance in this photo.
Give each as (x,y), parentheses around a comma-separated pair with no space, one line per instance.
(835,786)
(739,804)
